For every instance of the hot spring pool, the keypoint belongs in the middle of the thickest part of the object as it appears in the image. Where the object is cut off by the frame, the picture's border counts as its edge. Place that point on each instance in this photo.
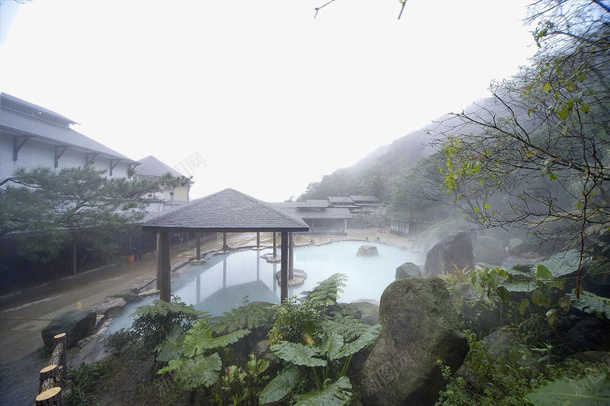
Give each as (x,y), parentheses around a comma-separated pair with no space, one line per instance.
(226,281)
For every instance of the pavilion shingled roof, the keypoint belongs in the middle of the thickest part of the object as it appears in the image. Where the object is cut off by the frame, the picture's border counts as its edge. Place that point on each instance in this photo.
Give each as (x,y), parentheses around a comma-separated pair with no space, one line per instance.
(227,211)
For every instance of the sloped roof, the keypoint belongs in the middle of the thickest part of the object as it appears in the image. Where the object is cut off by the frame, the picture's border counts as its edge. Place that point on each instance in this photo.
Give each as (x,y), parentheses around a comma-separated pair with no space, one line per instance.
(227,211)
(340,199)
(151,166)
(13,122)
(337,213)
(367,199)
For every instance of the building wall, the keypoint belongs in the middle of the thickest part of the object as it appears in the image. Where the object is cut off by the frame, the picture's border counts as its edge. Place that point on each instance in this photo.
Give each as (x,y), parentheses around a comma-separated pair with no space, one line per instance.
(38,154)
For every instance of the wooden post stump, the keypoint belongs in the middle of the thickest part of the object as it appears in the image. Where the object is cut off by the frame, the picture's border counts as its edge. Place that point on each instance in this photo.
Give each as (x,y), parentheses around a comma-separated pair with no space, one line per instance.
(58,357)
(51,397)
(49,378)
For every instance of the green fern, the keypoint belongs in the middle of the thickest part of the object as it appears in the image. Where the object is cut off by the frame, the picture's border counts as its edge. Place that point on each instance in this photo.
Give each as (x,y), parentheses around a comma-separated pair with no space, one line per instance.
(346,326)
(195,372)
(327,292)
(249,316)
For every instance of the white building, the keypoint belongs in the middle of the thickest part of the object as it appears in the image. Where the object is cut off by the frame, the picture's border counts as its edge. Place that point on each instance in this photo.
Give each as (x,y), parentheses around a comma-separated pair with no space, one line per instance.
(32,136)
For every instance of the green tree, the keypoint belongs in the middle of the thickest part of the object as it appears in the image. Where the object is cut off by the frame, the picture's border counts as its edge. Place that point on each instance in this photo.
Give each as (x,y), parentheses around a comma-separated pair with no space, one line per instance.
(54,208)
(541,142)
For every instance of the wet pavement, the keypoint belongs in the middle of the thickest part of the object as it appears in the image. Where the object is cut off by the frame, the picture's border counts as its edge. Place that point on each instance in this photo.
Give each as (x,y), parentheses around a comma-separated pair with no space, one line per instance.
(23,315)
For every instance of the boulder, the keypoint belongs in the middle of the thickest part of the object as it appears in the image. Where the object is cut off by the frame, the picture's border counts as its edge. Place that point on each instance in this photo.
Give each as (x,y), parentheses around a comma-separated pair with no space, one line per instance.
(454,251)
(111,307)
(367,251)
(77,324)
(129,296)
(408,270)
(419,327)
(490,251)
(591,333)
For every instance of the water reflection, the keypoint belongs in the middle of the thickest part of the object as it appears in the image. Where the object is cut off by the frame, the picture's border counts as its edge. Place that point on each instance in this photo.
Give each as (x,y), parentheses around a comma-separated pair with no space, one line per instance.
(226,281)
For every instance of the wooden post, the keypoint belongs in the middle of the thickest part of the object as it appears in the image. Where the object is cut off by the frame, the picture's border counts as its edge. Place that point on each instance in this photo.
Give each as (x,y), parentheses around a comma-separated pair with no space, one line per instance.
(258,240)
(225,247)
(290,256)
(49,378)
(58,357)
(164,266)
(274,246)
(284,267)
(198,246)
(51,397)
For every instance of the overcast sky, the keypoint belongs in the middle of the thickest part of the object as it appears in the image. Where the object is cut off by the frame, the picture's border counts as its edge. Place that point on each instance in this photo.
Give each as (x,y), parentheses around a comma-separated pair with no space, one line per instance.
(257,95)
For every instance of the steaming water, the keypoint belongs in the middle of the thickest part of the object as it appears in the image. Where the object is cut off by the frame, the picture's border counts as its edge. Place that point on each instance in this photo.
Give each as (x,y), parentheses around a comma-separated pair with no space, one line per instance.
(225,281)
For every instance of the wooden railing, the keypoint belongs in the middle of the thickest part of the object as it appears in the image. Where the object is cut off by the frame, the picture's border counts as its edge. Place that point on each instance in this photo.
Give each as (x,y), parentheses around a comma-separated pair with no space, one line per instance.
(52,377)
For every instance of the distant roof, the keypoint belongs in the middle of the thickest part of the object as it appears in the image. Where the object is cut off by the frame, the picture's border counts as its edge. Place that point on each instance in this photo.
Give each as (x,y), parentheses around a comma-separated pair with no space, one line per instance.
(368,199)
(309,204)
(227,211)
(338,213)
(340,199)
(22,118)
(151,166)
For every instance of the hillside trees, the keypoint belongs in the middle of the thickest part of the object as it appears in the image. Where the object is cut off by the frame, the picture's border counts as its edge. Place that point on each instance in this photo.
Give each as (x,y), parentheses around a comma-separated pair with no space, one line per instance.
(542,141)
(48,209)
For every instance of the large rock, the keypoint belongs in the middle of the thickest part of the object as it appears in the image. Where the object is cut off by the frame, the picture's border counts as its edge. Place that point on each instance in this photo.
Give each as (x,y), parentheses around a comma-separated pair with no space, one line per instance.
(77,324)
(490,251)
(367,251)
(591,333)
(419,327)
(408,270)
(111,307)
(454,251)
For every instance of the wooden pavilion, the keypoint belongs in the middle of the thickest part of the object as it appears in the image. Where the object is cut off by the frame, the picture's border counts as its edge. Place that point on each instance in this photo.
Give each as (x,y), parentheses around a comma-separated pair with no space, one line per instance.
(224,211)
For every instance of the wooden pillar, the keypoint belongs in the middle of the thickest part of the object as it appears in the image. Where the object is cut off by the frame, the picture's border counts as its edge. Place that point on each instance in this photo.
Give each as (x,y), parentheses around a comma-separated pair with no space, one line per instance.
(164,266)
(225,247)
(58,357)
(224,273)
(274,246)
(284,267)
(48,378)
(258,240)
(51,397)
(290,256)
(198,246)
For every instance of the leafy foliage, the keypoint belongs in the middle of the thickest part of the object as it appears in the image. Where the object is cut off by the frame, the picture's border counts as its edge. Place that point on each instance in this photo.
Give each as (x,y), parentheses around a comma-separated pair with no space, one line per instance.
(249,316)
(154,323)
(72,206)
(192,367)
(327,292)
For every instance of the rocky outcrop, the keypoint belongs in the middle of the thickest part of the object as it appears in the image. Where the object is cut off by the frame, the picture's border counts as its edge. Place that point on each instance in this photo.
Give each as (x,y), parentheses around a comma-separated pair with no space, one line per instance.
(111,307)
(77,324)
(591,333)
(367,251)
(419,327)
(490,251)
(408,270)
(453,252)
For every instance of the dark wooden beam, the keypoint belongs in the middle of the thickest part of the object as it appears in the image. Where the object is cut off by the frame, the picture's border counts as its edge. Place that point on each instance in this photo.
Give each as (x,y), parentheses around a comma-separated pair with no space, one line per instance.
(90,158)
(164,266)
(284,267)
(18,143)
(59,151)
(290,256)
(113,164)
